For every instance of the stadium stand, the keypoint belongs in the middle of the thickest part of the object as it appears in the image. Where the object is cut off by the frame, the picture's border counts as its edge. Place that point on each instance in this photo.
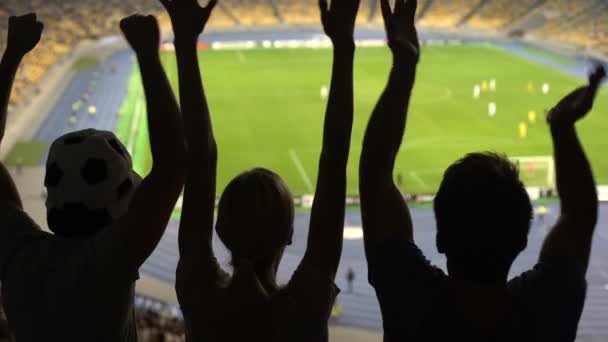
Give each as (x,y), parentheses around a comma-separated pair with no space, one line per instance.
(297,11)
(251,12)
(376,15)
(68,23)
(580,22)
(497,14)
(365,11)
(447,13)
(222,18)
(153,326)
(306,12)
(154,323)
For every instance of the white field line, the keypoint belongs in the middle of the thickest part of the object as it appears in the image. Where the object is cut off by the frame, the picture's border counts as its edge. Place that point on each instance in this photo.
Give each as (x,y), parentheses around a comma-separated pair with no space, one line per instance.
(134,124)
(418,179)
(301,170)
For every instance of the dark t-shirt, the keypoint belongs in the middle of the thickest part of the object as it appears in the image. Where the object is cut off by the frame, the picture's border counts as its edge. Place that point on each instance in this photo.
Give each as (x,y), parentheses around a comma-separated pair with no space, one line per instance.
(545,303)
(238,308)
(64,290)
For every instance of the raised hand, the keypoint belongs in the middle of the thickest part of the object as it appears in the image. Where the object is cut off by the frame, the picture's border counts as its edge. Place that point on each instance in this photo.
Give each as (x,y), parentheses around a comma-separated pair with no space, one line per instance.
(579,103)
(142,33)
(400,28)
(188,17)
(24,34)
(338,19)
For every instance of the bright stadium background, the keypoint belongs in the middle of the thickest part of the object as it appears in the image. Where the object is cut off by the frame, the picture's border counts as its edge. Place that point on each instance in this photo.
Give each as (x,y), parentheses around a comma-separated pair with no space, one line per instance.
(266,64)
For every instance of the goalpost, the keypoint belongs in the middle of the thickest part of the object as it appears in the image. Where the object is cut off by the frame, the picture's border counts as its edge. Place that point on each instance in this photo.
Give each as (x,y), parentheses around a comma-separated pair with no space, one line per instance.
(536,171)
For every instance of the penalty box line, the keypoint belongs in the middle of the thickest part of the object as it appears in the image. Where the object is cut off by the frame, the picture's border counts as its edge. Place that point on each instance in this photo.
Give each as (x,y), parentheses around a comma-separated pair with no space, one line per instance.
(418,179)
(301,170)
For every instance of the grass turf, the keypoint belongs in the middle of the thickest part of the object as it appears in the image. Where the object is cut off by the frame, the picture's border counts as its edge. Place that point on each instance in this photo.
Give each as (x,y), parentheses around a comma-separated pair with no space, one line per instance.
(27,154)
(86,63)
(267,111)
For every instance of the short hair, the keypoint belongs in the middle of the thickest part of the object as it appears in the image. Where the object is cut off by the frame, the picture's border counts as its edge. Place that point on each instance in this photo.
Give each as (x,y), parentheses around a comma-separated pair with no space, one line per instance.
(482,209)
(255,215)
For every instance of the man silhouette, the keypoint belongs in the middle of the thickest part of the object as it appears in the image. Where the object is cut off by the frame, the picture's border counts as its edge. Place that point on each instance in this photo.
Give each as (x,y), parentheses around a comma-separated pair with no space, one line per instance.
(483,217)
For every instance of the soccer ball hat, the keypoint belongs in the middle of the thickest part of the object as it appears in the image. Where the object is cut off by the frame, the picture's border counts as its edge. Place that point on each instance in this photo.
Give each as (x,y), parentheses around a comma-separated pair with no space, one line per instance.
(90,182)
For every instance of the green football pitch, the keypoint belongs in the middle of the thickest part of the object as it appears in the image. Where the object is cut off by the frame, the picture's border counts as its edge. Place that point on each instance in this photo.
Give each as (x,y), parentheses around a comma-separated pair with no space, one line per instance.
(267,111)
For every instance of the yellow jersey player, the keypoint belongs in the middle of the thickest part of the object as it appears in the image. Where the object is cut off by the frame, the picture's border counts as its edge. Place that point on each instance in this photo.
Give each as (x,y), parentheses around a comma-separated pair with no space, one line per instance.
(19,166)
(530,87)
(541,212)
(336,311)
(523,130)
(532,117)
(484,86)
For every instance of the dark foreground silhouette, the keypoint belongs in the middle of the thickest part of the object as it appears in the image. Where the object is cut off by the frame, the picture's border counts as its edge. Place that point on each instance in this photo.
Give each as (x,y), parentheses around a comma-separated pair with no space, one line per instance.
(78,284)
(483,217)
(256,213)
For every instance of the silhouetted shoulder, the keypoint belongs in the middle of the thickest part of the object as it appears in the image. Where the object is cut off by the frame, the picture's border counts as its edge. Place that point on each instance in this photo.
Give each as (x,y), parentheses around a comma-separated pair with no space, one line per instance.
(408,287)
(302,308)
(398,262)
(197,283)
(555,274)
(202,295)
(416,299)
(551,296)
(310,284)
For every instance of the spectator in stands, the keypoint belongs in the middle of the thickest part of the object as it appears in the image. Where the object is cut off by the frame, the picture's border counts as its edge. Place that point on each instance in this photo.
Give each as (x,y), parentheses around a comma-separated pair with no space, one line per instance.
(78,284)
(156,326)
(483,217)
(256,212)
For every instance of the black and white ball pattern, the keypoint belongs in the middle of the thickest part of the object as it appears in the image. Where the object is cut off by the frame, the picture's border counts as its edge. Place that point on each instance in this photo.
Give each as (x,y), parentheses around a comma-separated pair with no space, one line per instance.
(90,182)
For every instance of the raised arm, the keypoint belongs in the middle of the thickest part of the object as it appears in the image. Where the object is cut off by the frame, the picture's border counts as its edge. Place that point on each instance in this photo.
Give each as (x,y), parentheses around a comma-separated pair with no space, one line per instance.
(196,226)
(23,35)
(573,233)
(383,208)
(153,202)
(327,218)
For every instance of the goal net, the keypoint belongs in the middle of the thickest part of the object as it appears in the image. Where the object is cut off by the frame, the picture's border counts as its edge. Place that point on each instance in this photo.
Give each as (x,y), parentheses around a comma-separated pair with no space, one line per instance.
(536,171)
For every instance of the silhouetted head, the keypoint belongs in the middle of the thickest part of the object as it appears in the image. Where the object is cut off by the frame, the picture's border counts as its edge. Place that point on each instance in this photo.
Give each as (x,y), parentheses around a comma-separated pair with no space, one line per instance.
(483,216)
(89,181)
(255,217)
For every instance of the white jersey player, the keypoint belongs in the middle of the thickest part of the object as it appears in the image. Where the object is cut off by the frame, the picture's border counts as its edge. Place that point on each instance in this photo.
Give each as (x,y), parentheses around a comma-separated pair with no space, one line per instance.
(492,109)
